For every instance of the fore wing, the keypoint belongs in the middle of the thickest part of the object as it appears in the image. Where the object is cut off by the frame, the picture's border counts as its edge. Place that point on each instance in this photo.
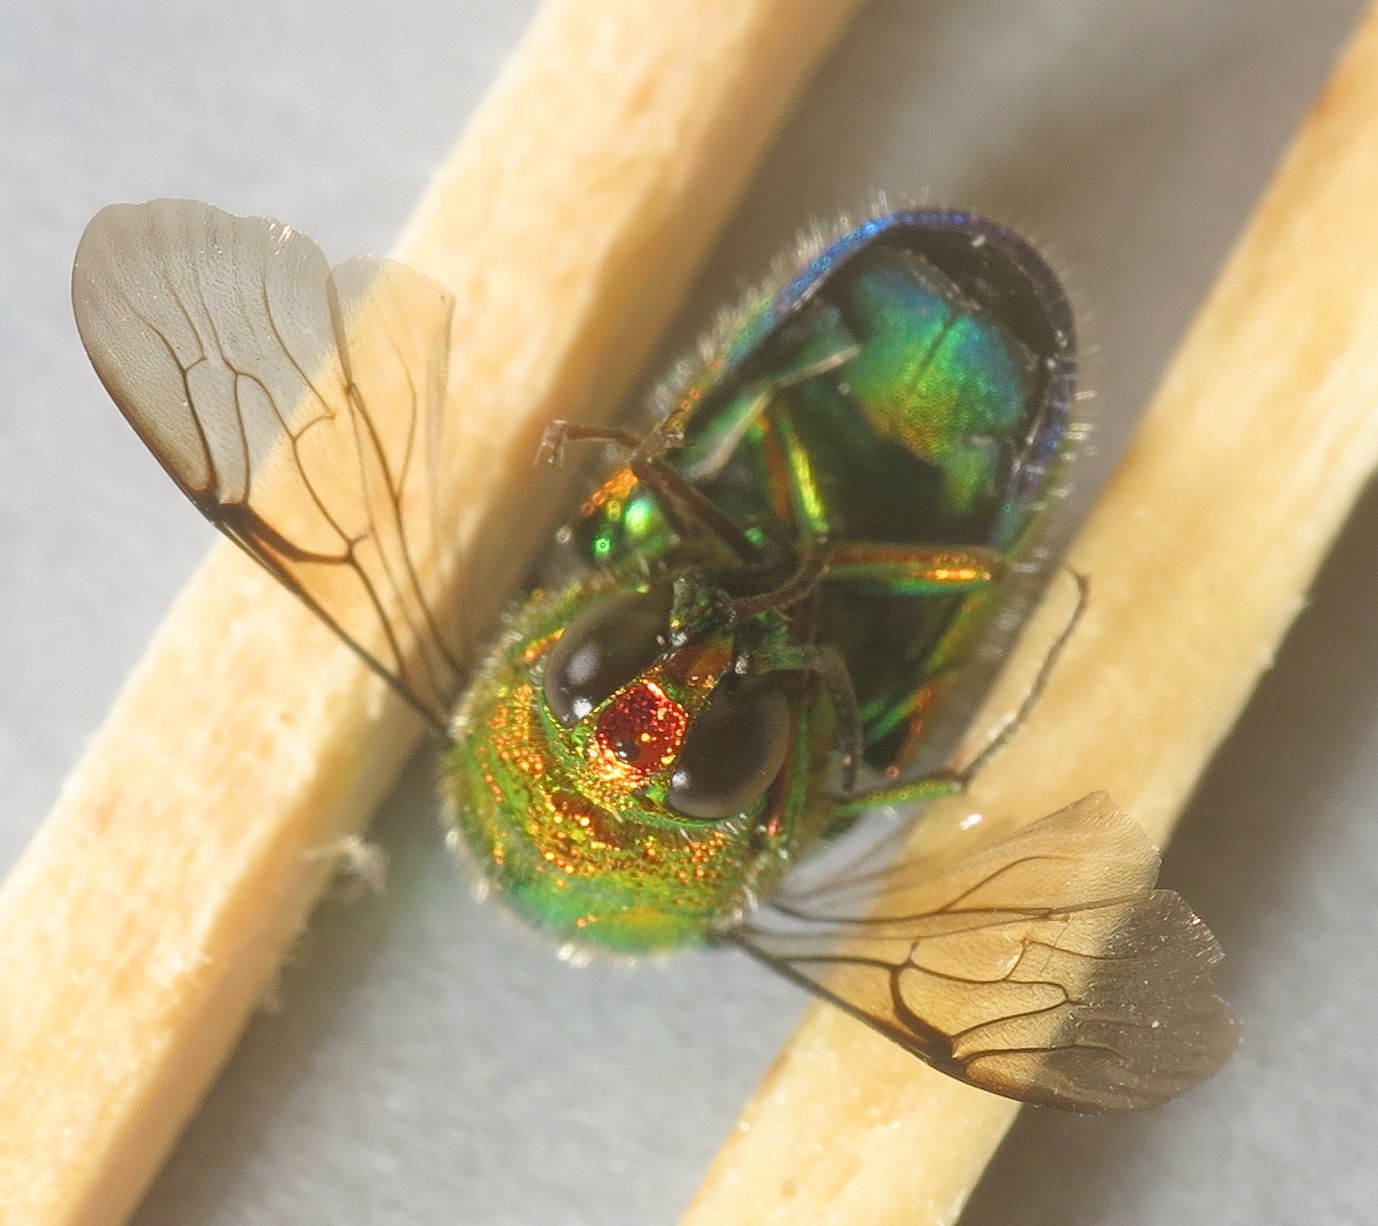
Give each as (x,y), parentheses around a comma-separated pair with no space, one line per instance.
(1041,965)
(299,407)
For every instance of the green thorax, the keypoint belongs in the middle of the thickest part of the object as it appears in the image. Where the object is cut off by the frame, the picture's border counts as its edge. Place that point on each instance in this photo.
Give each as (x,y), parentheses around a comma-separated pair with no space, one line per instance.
(577,837)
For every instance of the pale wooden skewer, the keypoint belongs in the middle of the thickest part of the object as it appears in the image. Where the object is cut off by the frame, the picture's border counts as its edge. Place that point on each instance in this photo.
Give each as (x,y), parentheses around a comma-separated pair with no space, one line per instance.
(1200,554)
(157,901)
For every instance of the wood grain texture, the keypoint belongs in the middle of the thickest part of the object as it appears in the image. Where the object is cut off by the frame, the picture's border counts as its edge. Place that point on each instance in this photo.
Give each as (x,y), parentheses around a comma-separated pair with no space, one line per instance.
(1200,555)
(156,903)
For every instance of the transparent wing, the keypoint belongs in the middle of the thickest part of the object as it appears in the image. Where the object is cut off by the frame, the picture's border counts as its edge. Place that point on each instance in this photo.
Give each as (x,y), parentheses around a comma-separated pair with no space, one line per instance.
(300,408)
(1041,965)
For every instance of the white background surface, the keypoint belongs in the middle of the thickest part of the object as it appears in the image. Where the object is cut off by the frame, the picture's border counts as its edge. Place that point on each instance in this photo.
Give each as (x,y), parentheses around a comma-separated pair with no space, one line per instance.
(428,1062)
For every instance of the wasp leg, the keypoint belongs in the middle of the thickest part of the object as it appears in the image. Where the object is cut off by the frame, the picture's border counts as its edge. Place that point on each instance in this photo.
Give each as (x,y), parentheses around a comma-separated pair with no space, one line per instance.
(914,570)
(918,571)
(559,433)
(827,664)
(913,717)
(688,509)
(799,586)
(794,481)
(915,791)
(955,780)
(902,570)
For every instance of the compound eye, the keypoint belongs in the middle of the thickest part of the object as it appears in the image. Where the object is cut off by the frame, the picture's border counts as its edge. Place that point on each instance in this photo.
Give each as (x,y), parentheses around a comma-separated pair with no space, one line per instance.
(732,751)
(604,648)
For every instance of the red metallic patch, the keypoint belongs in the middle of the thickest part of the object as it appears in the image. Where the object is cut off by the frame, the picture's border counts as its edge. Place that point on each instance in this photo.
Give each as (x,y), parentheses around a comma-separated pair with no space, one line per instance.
(643,729)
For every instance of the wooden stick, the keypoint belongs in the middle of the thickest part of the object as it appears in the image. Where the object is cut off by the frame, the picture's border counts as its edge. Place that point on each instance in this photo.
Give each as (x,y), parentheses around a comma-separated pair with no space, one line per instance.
(187,849)
(1199,555)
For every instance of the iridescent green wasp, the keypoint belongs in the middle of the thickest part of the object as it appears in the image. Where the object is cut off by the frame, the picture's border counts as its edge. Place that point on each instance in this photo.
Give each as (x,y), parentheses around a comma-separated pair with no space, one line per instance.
(748,633)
